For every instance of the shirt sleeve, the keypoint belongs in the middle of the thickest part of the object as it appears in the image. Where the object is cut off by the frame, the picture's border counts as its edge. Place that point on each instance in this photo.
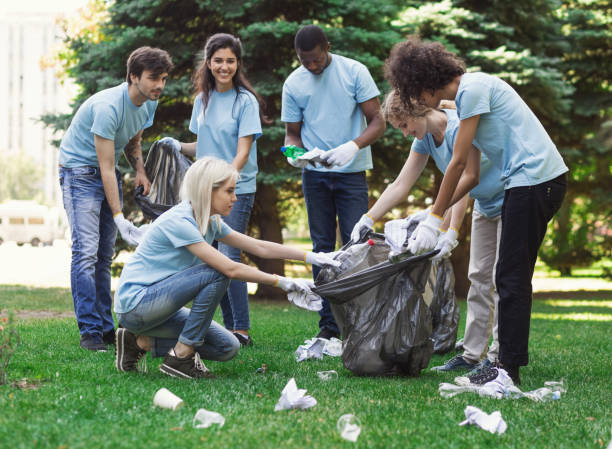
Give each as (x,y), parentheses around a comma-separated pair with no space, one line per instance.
(249,122)
(365,86)
(420,146)
(195,112)
(290,111)
(182,232)
(105,121)
(473,99)
(222,229)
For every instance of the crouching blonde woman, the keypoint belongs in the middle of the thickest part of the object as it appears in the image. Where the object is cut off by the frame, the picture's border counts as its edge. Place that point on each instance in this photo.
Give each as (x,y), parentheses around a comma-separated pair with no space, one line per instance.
(176,263)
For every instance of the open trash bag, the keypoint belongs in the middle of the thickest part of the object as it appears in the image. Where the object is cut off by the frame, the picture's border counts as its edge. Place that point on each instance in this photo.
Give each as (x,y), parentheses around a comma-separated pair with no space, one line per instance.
(165,169)
(444,307)
(385,321)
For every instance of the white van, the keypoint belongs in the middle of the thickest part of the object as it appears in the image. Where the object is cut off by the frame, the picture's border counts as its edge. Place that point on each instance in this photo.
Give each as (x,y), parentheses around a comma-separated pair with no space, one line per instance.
(30,222)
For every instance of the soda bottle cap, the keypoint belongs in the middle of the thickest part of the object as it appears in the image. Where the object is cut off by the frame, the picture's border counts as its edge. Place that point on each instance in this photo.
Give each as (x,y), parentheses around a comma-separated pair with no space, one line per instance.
(370,242)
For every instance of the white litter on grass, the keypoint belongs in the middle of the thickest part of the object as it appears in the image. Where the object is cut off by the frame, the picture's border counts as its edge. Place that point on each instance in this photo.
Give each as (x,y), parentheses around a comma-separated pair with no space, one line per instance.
(494,422)
(292,397)
(315,348)
(327,375)
(502,387)
(309,301)
(349,427)
(205,418)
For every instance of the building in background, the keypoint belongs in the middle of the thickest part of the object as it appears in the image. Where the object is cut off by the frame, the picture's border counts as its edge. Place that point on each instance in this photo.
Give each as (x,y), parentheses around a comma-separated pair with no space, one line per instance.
(28,90)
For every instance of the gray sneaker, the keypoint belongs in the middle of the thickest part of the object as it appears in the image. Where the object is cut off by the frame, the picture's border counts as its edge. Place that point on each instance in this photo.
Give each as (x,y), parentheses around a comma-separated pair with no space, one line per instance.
(482,366)
(455,364)
(186,368)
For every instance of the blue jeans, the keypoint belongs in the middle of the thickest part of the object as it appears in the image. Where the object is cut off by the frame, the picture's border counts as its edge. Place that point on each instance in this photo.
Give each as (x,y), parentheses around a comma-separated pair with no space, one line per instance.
(235,304)
(162,316)
(328,194)
(93,233)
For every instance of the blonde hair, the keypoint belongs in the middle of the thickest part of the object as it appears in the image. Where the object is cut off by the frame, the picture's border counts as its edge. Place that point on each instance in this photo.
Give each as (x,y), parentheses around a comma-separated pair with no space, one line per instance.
(204,176)
(395,109)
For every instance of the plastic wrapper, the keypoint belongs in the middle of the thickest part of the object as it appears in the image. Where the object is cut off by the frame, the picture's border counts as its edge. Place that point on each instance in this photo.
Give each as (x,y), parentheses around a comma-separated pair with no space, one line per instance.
(349,427)
(379,307)
(315,348)
(205,418)
(165,169)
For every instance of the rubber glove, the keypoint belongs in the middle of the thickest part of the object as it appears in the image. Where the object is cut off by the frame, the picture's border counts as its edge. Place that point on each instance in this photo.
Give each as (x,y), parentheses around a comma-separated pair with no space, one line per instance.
(130,233)
(446,243)
(365,222)
(322,259)
(172,143)
(425,236)
(341,155)
(297,163)
(294,285)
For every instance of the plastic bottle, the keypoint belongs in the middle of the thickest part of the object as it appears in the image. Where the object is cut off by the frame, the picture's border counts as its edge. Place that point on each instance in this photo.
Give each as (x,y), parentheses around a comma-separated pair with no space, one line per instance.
(293,151)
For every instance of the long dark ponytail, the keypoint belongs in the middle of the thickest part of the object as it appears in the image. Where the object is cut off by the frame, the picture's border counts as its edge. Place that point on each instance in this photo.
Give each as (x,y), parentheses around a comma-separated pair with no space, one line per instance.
(204,81)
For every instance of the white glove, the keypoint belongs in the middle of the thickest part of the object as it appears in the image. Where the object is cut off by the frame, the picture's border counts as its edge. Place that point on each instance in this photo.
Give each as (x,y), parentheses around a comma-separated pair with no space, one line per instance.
(297,163)
(322,259)
(425,236)
(419,216)
(130,233)
(294,285)
(172,142)
(365,222)
(446,243)
(341,155)
(396,233)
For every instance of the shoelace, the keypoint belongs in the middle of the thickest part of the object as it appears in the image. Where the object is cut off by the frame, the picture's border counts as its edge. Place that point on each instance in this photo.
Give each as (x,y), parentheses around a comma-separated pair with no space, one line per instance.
(486,376)
(199,365)
(141,363)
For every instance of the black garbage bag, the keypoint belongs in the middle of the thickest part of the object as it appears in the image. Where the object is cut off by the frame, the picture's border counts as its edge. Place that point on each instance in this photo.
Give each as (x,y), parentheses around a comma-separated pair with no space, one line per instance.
(444,307)
(379,307)
(165,169)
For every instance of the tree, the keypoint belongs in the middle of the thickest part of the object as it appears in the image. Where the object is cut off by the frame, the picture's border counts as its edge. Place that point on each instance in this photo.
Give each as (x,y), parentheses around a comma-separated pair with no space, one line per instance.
(95,58)
(19,178)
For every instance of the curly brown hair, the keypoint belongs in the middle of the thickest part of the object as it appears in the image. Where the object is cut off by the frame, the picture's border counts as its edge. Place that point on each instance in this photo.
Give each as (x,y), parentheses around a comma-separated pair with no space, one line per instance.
(414,66)
(394,109)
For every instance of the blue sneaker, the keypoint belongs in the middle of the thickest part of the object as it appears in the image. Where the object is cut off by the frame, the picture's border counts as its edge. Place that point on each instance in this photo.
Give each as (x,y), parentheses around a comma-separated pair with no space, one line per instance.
(482,366)
(455,364)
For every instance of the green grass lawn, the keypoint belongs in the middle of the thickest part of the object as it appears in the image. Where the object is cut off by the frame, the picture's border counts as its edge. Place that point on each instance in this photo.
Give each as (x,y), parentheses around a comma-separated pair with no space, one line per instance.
(83,402)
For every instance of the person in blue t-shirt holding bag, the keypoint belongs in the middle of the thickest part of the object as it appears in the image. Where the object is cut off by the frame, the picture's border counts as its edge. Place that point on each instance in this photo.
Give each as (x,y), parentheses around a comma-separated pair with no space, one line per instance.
(226,117)
(435,131)
(331,103)
(107,123)
(176,263)
(532,172)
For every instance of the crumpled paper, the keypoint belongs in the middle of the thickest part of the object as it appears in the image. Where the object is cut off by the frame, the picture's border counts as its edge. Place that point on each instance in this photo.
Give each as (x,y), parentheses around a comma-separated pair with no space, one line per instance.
(315,348)
(204,418)
(305,300)
(292,397)
(494,422)
(502,387)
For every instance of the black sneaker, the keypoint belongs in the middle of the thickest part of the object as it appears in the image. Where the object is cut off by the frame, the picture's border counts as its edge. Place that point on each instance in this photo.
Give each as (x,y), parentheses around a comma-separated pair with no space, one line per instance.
(92,343)
(109,337)
(187,368)
(484,376)
(328,334)
(128,351)
(244,340)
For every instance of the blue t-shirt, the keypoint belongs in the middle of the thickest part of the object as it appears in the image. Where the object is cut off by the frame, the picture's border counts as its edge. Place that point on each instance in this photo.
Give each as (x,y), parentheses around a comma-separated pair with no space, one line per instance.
(109,113)
(328,107)
(162,253)
(489,193)
(511,135)
(225,120)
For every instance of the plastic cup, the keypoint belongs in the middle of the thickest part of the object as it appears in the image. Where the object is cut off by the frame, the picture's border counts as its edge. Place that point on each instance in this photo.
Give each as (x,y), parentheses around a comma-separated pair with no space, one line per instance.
(164,398)
(349,427)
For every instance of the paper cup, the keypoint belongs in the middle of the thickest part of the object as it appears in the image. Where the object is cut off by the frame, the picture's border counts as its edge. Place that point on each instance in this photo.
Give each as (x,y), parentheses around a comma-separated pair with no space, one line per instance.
(164,398)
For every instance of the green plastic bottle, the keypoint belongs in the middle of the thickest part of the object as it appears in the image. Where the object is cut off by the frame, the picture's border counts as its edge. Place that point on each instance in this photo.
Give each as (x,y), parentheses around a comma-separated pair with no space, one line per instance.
(293,151)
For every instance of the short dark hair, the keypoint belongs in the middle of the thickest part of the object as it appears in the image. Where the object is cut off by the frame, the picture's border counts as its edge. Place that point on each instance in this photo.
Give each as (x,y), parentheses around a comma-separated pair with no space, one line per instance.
(155,60)
(309,37)
(414,66)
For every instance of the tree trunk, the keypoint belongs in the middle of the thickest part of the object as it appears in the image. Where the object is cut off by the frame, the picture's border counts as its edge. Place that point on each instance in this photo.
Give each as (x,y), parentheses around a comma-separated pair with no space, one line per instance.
(265,218)
(460,257)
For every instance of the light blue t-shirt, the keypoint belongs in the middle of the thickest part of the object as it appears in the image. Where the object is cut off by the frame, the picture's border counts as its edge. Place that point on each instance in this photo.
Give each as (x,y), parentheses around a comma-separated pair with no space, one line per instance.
(511,135)
(109,113)
(328,107)
(162,253)
(489,193)
(225,120)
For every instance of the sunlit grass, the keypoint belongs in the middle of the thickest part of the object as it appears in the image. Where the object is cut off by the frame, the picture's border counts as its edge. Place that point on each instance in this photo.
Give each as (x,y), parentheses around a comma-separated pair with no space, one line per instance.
(576,303)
